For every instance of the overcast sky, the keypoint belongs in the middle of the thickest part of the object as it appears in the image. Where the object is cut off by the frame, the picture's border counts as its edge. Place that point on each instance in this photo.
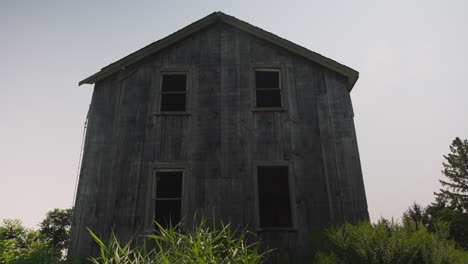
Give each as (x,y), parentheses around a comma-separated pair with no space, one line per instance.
(410,101)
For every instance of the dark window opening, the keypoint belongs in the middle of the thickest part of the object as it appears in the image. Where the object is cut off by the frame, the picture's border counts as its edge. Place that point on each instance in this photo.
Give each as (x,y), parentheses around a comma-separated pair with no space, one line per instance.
(267,88)
(168,202)
(268,98)
(174,82)
(274,197)
(267,79)
(173,92)
(167,212)
(172,102)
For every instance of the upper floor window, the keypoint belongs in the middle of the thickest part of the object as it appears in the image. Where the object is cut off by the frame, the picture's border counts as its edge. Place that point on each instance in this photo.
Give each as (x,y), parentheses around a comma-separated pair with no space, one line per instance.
(268,88)
(173,92)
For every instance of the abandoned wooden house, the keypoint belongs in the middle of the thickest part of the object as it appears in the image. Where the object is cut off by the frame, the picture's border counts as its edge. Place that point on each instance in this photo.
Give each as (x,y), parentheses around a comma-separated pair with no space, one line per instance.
(223,117)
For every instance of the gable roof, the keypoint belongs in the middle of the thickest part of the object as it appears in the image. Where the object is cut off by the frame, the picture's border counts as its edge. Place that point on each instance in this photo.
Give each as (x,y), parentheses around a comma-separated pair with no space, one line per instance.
(136,56)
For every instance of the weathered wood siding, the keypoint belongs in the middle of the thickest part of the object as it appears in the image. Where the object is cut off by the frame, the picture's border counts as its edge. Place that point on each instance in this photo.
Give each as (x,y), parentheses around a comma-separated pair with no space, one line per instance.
(220,141)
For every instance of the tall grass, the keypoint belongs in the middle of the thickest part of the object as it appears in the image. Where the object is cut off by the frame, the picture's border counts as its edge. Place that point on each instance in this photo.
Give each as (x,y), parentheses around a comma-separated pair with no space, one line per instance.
(208,242)
(390,243)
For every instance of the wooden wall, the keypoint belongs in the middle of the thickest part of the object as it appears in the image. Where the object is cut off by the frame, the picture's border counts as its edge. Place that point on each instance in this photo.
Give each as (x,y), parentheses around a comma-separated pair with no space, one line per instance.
(220,141)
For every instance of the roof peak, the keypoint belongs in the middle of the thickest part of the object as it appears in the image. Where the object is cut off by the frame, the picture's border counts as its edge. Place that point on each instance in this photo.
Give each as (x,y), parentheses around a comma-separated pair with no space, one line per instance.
(212,18)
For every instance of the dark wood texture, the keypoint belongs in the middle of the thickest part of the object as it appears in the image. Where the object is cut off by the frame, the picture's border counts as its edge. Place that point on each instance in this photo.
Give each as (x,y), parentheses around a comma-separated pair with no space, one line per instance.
(219,142)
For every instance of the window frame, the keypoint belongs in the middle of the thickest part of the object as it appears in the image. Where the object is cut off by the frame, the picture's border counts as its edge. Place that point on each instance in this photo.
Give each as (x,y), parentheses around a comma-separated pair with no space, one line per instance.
(281,84)
(151,189)
(292,195)
(173,71)
(155,188)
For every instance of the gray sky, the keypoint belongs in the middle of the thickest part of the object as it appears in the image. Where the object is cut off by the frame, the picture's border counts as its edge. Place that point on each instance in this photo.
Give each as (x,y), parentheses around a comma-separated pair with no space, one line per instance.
(410,101)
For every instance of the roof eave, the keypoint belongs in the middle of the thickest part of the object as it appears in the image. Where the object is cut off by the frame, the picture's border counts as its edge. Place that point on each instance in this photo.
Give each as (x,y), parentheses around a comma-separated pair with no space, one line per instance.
(134,57)
(350,73)
(150,49)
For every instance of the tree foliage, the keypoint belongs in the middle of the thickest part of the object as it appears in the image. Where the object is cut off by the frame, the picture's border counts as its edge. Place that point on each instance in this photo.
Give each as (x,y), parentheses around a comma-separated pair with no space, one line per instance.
(55,228)
(451,203)
(458,220)
(21,245)
(455,188)
(440,211)
(418,214)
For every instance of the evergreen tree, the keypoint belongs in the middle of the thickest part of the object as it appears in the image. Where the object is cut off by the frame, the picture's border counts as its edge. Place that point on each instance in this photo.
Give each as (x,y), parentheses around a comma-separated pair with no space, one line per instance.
(417,213)
(455,188)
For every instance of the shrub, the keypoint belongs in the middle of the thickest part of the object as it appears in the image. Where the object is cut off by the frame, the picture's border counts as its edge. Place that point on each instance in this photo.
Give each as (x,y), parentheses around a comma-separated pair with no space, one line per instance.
(389,242)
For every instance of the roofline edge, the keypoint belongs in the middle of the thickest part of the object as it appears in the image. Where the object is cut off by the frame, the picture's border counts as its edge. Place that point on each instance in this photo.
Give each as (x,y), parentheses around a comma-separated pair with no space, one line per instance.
(156,46)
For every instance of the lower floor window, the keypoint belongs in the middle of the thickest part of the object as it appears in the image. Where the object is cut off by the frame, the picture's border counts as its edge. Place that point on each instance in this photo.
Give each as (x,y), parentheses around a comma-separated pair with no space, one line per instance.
(274,196)
(168,199)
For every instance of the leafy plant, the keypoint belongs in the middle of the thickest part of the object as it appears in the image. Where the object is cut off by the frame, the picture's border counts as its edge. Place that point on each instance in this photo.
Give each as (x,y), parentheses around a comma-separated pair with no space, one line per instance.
(206,243)
(390,242)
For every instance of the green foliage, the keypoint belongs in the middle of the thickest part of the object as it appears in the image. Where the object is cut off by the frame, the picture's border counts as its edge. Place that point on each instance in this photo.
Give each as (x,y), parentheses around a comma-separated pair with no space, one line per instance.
(452,200)
(458,221)
(55,228)
(418,214)
(389,242)
(207,243)
(451,203)
(327,258)
(455,191)
(22,245)
(37,252)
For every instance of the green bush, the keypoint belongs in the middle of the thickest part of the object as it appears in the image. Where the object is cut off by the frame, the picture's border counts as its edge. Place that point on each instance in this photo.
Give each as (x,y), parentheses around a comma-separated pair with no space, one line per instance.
(207,243)
(19,245)
(389,242)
